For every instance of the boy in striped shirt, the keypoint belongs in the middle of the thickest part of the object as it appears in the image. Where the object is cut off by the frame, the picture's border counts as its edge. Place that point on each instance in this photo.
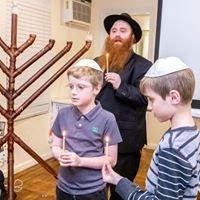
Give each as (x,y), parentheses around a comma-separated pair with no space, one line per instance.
(174,171)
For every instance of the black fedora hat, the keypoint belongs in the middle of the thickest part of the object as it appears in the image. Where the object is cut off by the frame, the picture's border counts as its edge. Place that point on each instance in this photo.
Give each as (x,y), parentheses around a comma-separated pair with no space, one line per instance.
(111,19)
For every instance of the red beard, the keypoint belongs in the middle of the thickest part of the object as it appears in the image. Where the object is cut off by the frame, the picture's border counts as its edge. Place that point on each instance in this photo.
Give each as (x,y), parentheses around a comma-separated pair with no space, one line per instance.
(119,54)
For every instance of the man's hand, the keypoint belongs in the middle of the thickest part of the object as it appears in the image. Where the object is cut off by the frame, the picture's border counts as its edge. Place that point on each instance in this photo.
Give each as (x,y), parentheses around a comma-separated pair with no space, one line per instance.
(109,175)
(114,79)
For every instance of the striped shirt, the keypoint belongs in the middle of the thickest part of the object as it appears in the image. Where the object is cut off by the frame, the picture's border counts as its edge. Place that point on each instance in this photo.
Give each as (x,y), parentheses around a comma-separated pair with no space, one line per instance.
(174,171)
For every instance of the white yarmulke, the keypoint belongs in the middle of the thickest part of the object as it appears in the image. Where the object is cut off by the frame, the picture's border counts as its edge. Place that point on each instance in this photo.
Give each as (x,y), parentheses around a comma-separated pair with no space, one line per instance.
(88,63)
(164,66)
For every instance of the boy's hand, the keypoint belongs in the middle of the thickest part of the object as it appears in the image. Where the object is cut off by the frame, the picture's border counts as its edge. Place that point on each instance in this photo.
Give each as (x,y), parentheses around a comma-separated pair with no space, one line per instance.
(68,159)
(109,175)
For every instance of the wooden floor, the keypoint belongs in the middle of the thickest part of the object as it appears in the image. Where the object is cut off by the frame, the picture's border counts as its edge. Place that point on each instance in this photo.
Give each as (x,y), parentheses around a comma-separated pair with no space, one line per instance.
(38,184)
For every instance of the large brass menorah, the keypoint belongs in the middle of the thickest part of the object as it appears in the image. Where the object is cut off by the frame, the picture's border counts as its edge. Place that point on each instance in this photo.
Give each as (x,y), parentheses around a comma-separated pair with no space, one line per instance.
(10,93)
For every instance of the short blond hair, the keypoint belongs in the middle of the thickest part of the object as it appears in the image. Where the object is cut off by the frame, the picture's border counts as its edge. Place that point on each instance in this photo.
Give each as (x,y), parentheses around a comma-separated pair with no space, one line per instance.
(183,81)
(95,77)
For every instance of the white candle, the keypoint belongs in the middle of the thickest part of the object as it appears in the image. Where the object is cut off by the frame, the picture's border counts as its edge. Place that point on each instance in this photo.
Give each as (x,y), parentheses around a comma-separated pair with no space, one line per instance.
(107,145)
(89,37)
(64,133)
(107,62)
(14,8)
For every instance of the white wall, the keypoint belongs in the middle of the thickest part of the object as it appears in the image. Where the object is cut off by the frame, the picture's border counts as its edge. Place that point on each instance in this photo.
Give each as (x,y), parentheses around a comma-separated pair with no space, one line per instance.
(180,34)
(62,33)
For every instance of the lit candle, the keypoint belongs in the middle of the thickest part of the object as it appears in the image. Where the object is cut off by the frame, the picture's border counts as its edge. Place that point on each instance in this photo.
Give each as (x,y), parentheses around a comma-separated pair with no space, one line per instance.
(107,62)
(64,133)
(106,145)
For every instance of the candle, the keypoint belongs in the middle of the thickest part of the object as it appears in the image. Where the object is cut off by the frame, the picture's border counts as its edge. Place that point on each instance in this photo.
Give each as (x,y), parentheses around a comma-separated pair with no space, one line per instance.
(14,8)
(64,133)
(107,62)
(106,146)
(89,37)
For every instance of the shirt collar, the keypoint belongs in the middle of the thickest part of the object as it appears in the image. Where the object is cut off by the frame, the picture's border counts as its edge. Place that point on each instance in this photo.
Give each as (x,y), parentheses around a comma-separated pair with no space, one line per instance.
(91,115)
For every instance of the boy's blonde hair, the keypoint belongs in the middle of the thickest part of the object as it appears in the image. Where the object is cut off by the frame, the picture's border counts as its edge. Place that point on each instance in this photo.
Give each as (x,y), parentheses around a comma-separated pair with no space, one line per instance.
(183,81)
(95,77)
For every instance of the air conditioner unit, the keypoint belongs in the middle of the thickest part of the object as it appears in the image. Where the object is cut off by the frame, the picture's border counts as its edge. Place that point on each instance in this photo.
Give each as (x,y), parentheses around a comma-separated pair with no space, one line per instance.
(76,11)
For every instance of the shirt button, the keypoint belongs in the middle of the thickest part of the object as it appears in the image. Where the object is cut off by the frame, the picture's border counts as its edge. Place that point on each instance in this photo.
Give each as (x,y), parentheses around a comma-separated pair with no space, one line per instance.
(82,117)
(79,125)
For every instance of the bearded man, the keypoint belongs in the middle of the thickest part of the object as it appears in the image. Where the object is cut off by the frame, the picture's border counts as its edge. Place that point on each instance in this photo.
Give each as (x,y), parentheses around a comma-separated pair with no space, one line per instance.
(120,93)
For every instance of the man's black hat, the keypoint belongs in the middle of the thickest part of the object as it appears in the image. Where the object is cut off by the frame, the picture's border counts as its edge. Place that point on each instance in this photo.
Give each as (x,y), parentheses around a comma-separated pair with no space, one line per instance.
(111,19)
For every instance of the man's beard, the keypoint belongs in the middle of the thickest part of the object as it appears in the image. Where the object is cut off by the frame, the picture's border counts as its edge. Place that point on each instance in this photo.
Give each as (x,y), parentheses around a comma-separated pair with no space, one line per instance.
(118,54)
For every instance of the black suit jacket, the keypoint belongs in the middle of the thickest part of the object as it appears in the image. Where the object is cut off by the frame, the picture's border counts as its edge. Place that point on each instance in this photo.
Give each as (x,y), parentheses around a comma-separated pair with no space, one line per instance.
(128,104)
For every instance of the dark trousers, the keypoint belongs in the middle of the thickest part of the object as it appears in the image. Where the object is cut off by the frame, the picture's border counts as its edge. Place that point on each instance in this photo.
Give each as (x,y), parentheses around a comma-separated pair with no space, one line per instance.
(99,195)
(3,194)
(127,166)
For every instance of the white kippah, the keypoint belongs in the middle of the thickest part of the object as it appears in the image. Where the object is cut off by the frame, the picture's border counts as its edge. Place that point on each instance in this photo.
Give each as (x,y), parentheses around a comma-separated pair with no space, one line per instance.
(164,66)
(88,63)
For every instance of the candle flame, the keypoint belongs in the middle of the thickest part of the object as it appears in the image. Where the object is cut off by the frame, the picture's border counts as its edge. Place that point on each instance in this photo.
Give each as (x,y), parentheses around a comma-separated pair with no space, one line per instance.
(106,151)
(107,139)
(64,133)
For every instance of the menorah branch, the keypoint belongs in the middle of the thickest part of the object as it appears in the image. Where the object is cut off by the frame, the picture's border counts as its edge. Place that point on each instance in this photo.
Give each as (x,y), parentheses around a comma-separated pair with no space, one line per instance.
(4,91)
(10,163)
(4,112)
(14,33)
(43,69)
(51,80)
(10,93)
(3,139)
(48,47)
(4,68)
(34,155)
(25,45)
(5,47)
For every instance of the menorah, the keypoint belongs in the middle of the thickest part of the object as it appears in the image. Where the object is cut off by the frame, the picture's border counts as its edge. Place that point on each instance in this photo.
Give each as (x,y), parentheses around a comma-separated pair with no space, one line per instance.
(10,93)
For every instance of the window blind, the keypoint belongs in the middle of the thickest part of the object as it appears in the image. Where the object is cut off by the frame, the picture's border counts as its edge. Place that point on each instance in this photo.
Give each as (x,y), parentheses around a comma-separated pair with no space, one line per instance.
(34,17)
